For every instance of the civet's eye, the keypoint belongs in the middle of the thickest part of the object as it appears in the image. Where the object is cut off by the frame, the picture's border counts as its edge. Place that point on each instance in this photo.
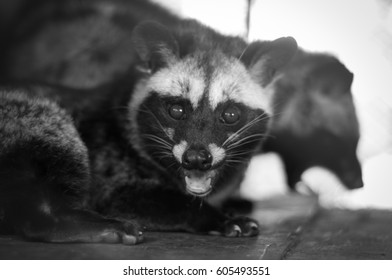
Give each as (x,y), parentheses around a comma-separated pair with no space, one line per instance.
(177,112)
(231,115)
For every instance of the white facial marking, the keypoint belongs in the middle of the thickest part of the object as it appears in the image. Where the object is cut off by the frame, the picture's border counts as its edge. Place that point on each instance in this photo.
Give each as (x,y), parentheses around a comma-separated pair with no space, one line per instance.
(179,149)
(218,153)
(183,78)
(231,81)
(169,132)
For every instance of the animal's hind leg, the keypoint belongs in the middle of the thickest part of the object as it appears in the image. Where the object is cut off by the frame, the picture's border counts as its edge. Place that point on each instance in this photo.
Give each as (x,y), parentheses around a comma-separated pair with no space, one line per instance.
(44,177)
(70,225)
(40,205)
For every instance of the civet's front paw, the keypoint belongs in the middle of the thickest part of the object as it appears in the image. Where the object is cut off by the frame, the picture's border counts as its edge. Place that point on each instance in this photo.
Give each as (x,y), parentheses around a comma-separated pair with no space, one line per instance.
(238,227)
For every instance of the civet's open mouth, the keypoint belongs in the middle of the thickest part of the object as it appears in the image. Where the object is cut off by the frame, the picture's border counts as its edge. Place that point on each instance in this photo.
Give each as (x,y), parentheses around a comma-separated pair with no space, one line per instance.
(199,183)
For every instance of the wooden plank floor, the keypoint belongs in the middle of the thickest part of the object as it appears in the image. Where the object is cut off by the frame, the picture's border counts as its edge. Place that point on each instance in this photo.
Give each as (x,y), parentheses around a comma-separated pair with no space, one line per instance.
(342,234)
(293,228)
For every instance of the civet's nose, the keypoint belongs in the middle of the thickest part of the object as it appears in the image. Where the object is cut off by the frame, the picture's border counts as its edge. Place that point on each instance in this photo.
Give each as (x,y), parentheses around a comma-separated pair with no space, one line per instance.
(197,158)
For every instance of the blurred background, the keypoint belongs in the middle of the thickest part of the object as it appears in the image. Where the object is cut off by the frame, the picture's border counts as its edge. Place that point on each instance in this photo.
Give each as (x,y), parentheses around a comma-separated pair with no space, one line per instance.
(359,33)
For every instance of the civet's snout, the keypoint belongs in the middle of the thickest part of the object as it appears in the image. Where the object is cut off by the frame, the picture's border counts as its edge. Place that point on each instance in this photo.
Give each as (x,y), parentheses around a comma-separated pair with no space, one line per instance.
(197,158)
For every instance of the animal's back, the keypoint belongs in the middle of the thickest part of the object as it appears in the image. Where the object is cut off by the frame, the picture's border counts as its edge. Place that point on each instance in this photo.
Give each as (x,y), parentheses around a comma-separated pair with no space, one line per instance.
(79,44)
(315,121)
(169,113)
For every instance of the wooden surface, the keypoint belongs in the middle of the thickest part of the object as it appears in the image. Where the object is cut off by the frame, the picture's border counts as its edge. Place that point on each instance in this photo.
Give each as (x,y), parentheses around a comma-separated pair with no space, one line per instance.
(293,228)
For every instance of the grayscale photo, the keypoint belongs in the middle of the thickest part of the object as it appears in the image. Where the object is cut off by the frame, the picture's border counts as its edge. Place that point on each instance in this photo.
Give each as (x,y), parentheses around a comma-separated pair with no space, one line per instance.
(196,130)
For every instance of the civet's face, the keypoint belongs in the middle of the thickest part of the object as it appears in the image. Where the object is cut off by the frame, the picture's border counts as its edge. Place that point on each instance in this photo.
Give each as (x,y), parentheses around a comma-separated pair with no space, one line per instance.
(201,115)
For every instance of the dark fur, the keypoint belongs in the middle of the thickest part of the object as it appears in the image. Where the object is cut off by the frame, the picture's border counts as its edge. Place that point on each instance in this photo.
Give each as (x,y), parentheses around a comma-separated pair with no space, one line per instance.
(44,162)
(315,123)
(68,162)
(61,42)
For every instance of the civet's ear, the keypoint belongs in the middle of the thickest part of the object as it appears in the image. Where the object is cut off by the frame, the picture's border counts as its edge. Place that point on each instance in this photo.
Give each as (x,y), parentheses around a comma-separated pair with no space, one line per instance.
(332,78)
(264,59)
(155,45)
